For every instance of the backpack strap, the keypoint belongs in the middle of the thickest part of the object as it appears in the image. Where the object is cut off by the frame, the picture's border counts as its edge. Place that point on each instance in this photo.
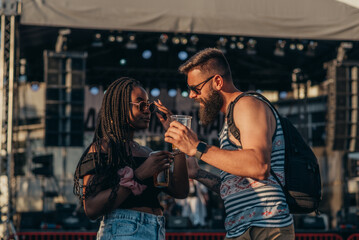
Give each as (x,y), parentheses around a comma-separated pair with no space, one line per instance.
(235,131)
(230,122)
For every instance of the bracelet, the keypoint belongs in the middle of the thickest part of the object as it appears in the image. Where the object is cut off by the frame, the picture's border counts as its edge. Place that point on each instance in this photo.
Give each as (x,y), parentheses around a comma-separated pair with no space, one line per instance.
(127,180)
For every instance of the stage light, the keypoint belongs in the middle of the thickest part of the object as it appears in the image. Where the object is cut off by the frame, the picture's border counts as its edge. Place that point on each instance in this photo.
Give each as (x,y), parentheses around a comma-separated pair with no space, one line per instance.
(279,49)
(111,38)
(183,40)
(155,92)
(292,46)
(123,61)
(240,45)
(162,43)
(97,41)
(182,55)
(283,95)
(172,92)
(175,40)
(184,94)
(35,86)
(147,54)
(194,39)
(22,78)
(251,46)
(119,38)
(232,45)
(94,90)
(311,48)
(222,41)
(131,44)
(300,46)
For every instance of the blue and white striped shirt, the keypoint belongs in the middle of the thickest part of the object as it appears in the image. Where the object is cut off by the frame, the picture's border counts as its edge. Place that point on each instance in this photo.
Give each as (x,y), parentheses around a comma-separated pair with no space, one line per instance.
(249,202)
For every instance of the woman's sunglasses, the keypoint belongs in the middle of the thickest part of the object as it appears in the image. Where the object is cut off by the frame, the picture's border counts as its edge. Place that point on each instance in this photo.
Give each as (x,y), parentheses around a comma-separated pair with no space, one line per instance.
(143,106)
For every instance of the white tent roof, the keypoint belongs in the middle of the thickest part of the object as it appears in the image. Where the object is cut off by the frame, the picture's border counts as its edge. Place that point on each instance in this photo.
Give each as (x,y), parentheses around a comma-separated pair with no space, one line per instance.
(303,19)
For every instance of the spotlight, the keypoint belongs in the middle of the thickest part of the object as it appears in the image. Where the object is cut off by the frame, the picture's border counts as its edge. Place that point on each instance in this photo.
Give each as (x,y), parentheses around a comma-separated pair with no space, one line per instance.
(183,40)
(131,44)
(97,41)
(123,61)
(119,38)
(155,92)
(283,95)
(232,45)
(162,43)
(182,55)
(35,86)
(300,46)
(240,45)
(147,54)
(251,46)
(163,38)
(222,41)
(111,38)
(279,49)
(292,46)
(311,48)
(194,39)
(175,40)
(94,90)
(184,93)
(172,92)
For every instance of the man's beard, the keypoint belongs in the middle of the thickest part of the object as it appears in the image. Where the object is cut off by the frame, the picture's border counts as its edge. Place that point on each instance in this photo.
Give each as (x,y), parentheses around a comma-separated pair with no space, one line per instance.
(211,107)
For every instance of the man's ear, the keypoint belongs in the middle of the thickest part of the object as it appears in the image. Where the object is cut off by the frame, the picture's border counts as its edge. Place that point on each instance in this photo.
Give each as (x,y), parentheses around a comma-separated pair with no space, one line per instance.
(218,82)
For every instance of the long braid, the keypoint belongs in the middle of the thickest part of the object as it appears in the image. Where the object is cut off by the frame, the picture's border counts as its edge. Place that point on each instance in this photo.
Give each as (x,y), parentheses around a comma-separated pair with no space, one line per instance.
(113,127)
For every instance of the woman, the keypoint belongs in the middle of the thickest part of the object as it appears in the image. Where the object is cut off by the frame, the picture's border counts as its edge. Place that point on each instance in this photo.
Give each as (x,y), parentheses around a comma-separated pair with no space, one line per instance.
(117,172)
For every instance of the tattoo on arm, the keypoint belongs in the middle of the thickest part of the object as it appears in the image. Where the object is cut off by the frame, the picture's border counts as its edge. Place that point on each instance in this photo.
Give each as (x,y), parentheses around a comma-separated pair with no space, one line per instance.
(210,180)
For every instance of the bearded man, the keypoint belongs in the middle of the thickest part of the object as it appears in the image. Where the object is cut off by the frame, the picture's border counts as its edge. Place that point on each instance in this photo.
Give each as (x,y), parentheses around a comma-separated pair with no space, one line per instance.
(255,204)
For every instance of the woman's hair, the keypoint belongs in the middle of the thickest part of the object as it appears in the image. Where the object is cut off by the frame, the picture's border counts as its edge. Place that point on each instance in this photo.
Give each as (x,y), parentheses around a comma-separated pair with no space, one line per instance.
(112,129)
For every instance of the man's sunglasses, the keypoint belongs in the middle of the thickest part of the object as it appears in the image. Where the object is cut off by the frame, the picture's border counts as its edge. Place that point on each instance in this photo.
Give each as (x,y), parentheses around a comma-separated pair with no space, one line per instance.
(143,106)
(195,88)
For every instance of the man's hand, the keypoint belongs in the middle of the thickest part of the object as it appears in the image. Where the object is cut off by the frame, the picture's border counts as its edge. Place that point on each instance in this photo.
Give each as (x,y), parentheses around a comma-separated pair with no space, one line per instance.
(182,137)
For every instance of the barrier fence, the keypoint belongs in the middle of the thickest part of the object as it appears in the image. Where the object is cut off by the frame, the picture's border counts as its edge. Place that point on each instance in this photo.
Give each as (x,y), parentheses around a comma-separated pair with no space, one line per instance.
(354,236)
(171,236)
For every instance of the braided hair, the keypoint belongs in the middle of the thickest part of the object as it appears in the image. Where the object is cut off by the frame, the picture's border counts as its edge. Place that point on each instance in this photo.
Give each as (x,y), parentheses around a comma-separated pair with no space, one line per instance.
(113,127)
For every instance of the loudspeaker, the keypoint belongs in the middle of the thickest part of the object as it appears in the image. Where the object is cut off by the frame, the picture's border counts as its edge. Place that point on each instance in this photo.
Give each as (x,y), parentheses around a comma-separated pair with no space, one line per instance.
(343,101)
(64,74)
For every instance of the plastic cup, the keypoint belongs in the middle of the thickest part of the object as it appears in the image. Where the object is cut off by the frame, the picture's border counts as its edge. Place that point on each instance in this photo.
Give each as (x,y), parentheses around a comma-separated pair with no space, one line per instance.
(184,119)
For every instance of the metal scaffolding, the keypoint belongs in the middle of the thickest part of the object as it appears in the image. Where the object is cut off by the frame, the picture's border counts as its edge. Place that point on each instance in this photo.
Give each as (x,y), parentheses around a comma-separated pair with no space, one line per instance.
(10,12)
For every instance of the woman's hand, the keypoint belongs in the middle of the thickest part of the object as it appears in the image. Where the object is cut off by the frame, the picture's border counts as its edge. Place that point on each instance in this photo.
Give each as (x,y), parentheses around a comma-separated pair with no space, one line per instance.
(166,112)
(156,162)
(192,167)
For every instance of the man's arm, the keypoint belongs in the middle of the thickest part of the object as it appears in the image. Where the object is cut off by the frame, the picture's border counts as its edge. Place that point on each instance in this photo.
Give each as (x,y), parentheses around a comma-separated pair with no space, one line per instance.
(257,125)
(210,180)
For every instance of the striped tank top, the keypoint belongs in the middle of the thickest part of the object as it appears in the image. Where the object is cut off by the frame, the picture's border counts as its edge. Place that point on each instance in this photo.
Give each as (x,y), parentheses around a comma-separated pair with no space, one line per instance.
(249,202)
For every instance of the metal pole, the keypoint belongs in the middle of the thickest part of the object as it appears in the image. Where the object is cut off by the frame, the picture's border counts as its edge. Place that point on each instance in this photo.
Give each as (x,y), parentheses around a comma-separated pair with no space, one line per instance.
(2,80)
(10,153)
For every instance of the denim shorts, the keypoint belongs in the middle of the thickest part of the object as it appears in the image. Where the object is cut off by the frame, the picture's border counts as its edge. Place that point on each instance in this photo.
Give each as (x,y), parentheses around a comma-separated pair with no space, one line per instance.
(131,225)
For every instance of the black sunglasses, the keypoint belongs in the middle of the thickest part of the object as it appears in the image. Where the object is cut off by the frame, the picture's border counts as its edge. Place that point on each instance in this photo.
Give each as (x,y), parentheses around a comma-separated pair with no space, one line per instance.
(143,106)
(195,87)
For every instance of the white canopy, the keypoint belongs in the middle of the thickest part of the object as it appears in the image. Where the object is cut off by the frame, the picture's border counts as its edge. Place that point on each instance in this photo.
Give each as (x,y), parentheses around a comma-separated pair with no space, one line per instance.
(300,19)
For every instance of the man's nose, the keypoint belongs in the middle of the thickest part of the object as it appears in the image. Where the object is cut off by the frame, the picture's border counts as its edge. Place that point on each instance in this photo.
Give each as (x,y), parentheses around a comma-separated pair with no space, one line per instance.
(192,94)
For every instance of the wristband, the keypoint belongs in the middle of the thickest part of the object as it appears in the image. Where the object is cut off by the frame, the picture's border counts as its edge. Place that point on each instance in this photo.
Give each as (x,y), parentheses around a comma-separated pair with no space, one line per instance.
(127,180)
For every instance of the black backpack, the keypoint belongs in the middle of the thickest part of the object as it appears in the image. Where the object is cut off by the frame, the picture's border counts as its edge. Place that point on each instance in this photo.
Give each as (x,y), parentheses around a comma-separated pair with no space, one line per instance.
(302,188)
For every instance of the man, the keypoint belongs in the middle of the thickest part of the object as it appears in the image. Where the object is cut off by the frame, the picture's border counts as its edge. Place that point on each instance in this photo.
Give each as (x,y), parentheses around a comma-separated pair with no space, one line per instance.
(255,203)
